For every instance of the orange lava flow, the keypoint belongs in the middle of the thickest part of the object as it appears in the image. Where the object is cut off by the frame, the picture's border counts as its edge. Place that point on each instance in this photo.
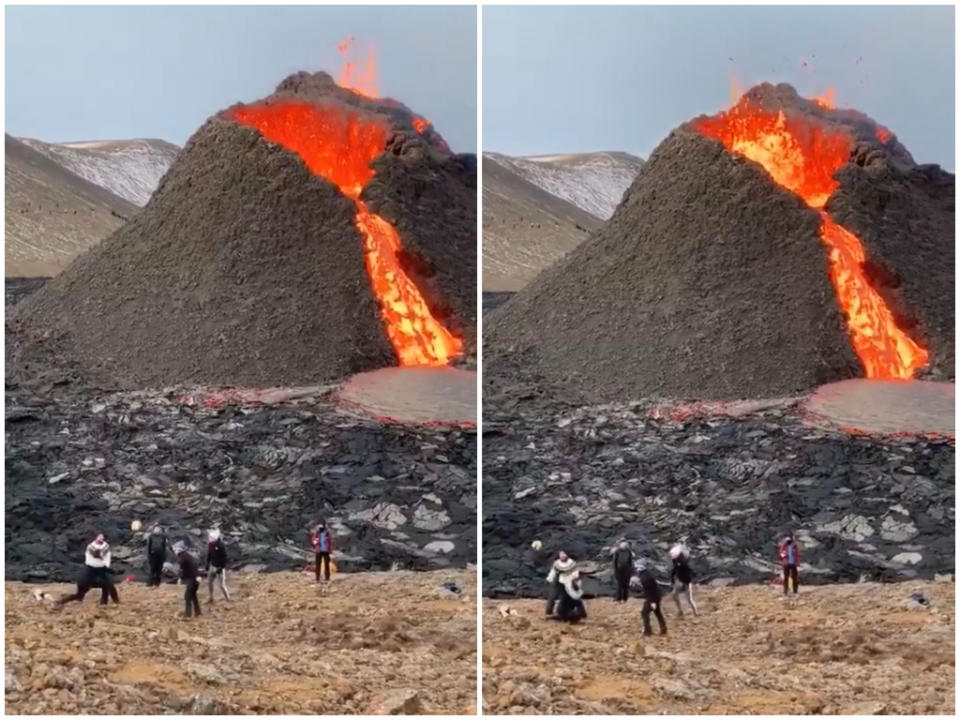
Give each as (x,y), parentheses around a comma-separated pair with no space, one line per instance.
(351,77)
(420,124)
(802,157)
(827,99)
(339,146)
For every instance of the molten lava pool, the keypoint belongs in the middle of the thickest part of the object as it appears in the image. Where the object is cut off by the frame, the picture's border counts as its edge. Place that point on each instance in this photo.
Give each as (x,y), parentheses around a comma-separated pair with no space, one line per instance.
(802,156)
(339,145)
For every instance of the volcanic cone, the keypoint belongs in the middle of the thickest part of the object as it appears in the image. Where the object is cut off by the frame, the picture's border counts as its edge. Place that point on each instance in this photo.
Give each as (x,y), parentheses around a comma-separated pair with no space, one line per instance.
(774,247)
(300,238)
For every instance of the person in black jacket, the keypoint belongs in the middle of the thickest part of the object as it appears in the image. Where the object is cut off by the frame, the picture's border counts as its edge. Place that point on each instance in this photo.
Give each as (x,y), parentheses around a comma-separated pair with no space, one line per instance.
(622,570)
(681,577)
(156,554)
(651,598)
(217,556)
(189,574)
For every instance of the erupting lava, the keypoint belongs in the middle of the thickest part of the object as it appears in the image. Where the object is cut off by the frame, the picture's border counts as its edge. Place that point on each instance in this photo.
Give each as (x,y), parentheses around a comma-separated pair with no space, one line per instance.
(339,145)
(351,78)
(802,156)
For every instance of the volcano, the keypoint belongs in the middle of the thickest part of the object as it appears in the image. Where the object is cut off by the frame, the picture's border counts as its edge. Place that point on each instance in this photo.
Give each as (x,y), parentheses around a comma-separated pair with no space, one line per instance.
(303,237)
(762,251)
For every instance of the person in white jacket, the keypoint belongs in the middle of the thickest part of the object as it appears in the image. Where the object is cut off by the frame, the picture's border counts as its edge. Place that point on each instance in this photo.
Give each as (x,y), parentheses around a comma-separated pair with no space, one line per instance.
(563,565)
(96,573)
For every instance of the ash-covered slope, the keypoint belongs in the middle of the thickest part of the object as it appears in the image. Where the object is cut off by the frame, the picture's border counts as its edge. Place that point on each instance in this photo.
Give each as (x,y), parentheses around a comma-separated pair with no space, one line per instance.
(594,182)
(247,268)
(129,168)
(52,214)
(711,280)
(708,281)
(525,228)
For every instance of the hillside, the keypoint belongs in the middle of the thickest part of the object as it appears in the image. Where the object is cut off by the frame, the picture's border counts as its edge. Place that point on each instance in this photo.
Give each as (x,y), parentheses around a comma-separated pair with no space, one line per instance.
(52,214)
(858,649)
(594,182)
(129,168)
(365,643)
(525,228)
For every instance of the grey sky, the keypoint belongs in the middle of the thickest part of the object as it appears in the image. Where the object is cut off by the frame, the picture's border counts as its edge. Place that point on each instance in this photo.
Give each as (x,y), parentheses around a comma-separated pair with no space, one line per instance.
(81,73)
(571,79)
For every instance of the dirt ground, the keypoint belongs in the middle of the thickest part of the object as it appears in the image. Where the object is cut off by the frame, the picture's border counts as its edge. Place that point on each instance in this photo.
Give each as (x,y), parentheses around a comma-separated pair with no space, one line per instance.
(842,649)
(366,643)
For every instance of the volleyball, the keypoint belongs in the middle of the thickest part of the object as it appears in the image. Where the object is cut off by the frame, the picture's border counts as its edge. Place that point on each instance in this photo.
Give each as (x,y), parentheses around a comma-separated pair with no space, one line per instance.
(536,545)
(136,525)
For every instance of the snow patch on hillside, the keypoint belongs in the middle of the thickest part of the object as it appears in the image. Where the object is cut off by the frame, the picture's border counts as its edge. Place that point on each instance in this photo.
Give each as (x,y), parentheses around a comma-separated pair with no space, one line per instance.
(129,168)
(594,182)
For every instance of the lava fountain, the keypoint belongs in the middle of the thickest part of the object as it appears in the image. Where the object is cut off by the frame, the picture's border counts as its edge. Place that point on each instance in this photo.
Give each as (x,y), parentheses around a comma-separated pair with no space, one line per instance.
(802,155)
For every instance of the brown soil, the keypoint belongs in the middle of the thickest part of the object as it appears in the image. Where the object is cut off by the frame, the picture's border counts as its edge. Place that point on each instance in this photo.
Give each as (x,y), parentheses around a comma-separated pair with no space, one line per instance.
(283,646)
(842,649)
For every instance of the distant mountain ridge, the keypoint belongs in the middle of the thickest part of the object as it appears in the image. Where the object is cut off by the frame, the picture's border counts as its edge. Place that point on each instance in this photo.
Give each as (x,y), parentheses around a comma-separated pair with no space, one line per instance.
(594,182)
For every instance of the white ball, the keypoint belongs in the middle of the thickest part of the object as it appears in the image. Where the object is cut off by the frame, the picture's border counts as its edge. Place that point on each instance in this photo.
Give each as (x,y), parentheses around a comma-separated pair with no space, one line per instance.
(136,525)
(536,545)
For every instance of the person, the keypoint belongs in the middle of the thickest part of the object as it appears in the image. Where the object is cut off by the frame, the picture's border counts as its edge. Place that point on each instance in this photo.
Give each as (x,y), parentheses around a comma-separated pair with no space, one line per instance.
(570,606)
(651,597)
(563,564)
(322,541)
(790,560)
(189,574)
(96,573)
(623,569)
(681,577)
(216,556)
(156,554)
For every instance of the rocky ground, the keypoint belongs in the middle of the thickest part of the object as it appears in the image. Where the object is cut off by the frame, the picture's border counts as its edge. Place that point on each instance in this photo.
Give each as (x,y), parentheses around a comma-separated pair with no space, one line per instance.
(582,476)
(374,643)
(843,649)
(81,460)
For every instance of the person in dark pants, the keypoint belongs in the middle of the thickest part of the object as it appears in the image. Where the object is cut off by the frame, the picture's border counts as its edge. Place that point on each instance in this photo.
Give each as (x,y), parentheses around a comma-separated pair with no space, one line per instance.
(562,565)
(190,575)
(570,607)
(681,577)
(156,554)
(217,556)
(651,599)
(322,541)
(96,573)
(790,560)
(622,570)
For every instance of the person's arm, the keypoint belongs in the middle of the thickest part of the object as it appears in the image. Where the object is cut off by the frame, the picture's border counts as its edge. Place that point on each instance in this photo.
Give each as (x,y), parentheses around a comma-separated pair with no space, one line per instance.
(106,557)
(552,576)
(673,573)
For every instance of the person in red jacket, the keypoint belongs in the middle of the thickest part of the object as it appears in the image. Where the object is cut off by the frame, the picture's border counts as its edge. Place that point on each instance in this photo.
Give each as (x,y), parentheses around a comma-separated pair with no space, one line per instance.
(790,560)
(322,541)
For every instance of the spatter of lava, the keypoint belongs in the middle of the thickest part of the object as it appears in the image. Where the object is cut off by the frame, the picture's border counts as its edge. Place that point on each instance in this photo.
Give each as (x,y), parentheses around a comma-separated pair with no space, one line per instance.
(338,145)
(802,156)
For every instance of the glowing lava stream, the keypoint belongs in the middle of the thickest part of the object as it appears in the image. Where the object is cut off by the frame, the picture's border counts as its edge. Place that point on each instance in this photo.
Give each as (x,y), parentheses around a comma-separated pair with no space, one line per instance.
(803,157)
(339,145)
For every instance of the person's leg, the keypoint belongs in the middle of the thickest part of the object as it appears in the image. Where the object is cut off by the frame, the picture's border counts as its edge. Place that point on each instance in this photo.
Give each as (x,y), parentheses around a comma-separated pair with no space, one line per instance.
(114,595)
(663,623)
(211,580)
(326,566)
(82,590)
(693,605)
(193,588)
(223,583)
(786,579)
(796,578)
(317,563)
(551,598)
(645,614)
(675,591)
